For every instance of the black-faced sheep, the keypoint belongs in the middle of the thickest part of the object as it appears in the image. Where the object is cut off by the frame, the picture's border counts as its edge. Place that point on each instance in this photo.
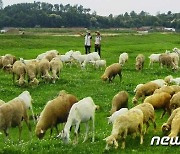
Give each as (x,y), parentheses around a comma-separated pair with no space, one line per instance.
(120,100)
(111,71)
(56,111)
(129,123)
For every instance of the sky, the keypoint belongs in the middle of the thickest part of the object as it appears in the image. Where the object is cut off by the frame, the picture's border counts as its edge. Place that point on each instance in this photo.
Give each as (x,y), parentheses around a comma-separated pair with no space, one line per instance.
(115,7)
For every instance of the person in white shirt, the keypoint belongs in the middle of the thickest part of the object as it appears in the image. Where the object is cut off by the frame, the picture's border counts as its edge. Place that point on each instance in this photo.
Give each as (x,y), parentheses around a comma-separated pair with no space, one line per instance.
(87,43)
(98,43)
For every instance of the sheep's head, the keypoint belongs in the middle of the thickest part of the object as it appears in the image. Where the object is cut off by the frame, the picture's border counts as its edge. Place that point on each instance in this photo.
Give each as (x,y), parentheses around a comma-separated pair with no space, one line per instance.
(165,128)
(34,82)
(64,135)
(110,141)
(21,81)
(104,77)
(173,107)
(134,101)
(40,133)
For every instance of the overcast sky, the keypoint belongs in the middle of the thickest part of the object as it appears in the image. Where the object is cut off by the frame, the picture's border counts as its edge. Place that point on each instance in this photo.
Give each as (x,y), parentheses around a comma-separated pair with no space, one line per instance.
(115,7)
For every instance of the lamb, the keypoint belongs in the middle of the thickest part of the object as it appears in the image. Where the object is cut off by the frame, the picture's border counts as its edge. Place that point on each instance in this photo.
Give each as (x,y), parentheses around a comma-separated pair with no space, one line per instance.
(8,61)
(116,114)
(56,111)
(145,90)
(160,100)
(32,72)
(123,58)
(1,102)
(166,127)
(56,66)
(44,68)
(148,114)
(175,101)
(153,58)
(19,70)
(111,72)
(14,111)
(140,62)
(99,63)
(129,123)
(119,101)
(82,111)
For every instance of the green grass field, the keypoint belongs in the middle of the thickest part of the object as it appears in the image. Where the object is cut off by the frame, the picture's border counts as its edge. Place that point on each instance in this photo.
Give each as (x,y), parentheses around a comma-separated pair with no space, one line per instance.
(83,83)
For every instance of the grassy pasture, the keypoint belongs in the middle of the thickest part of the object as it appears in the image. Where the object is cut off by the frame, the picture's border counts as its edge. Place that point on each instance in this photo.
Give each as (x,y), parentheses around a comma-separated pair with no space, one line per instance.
(83,83)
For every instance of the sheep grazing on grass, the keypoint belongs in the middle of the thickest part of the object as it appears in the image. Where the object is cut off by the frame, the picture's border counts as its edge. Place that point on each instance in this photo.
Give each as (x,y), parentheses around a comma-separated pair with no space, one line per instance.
(123,58)
(12,113)
(168,89)
(148,114)
(129,123)
(166,60)
(153,58)
(145,90)
(166,127)
(44,68)
(168,78)
(8,61)
(32,72)
(116,114)
(140,62)
(111,72)
(159,101)
(19,70)
(1,102)
(56,111)
(175,101)
(99,63)
(119,101)
(81,112)
(56,66)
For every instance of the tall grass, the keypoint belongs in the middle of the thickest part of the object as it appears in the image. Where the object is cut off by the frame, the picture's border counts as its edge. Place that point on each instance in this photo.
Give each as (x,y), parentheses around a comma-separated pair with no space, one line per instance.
(83,83)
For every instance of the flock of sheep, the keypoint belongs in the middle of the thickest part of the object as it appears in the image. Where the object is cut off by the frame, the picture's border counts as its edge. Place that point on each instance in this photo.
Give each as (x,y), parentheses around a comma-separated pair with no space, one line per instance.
(66,108)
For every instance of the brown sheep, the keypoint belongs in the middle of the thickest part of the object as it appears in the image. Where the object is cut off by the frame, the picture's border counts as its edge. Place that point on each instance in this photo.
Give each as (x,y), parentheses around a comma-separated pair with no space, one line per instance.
(56,111)
(148,114)
(167,89)
(32,72)
(140,62)
(129,123)
(56,65)
(1,102)
(20,71)
(111,72)
(175,101)
(166,60)
(145,90)
(160,100)
(44,68)
(119,101)
(8,61)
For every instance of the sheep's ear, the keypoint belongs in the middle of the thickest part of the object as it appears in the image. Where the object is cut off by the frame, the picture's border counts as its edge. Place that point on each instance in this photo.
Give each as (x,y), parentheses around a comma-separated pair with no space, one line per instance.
(42,131)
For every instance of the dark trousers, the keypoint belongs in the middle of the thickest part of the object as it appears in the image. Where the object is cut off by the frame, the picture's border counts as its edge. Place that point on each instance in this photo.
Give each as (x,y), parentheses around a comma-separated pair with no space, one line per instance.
(98,49)
(87,49)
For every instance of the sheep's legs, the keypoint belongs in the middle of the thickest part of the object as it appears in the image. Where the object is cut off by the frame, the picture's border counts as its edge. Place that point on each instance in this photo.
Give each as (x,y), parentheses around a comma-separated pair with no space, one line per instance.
(146,128)
(123,139)
(163,114)
(87,130)
(76,132)
(93,128)
(20,130)
(141,133)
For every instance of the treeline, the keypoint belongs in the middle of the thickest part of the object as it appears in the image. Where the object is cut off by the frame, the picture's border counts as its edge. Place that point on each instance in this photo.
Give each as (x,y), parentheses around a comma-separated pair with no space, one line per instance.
(43,14)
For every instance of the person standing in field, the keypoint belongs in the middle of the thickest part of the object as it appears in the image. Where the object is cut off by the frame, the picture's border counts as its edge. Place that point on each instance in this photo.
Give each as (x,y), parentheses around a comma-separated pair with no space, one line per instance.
(87,43)
(98,43)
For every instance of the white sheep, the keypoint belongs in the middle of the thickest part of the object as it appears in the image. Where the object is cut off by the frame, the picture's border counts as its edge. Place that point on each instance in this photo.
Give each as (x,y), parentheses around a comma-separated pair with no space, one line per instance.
(159,82)
(176,50)
(48,54)
(99,63)
(175,81)
(8,61)
(81,112)
(153,58)
(116,114)
(140,62)
(123,58)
